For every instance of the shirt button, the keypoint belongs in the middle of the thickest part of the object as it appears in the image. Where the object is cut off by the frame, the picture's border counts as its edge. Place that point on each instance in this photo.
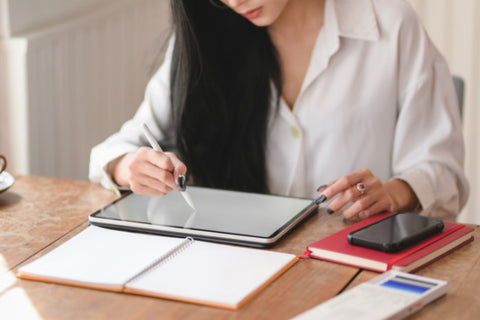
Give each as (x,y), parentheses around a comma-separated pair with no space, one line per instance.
(295,132)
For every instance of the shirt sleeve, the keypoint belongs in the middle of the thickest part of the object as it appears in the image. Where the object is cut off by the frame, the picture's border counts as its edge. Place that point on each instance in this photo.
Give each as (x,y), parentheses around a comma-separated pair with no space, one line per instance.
(154,110)
(428,148)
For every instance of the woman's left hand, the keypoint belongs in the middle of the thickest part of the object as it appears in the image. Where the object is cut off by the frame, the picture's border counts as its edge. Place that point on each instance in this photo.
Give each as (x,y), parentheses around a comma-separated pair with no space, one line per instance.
(367,192)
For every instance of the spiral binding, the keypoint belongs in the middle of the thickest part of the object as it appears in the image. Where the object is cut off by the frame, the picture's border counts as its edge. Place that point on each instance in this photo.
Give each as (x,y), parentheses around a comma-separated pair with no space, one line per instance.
(162,259)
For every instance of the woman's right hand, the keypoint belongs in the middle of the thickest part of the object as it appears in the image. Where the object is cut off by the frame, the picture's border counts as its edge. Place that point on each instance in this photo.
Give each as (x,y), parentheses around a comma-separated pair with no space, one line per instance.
(147,171)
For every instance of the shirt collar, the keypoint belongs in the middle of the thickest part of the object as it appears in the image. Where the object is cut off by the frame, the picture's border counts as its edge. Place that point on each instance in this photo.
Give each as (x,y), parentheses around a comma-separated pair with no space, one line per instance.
(356,19)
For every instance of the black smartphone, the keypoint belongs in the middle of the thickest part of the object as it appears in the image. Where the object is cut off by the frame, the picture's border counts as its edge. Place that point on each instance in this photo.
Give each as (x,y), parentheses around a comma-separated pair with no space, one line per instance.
(396,232)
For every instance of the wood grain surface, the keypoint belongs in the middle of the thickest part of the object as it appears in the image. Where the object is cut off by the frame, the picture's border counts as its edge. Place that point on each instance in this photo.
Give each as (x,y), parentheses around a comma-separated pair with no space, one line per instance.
(38,214)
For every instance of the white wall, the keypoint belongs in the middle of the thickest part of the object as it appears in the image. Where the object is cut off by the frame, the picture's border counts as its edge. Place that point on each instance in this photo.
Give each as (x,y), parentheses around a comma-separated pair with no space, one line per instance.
(71,72)
(454,26)
(28,15)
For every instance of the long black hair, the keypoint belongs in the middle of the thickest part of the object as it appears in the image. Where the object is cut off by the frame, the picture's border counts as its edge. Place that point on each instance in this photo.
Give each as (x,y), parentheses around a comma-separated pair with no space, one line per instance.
(223,68)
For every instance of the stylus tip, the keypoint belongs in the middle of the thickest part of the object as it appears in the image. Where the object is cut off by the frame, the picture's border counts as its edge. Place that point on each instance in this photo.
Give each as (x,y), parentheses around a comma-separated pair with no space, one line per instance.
(188,200)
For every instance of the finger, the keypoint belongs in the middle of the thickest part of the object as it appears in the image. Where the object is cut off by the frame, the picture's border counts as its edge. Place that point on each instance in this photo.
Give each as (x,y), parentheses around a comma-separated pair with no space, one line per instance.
(321,188)
(157,158)
(377,207)
(156,176)
(179,168)
(349,195)
(360,205)
(147,189)
(142,168)
(345,182)
(367,206)
(140,182)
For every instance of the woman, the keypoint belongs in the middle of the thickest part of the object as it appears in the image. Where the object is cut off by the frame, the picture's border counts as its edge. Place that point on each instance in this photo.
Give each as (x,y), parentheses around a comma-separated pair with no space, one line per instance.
(282,96)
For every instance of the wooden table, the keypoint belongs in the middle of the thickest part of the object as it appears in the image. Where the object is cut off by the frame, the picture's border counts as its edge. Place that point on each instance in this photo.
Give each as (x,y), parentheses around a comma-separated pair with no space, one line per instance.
(37,214)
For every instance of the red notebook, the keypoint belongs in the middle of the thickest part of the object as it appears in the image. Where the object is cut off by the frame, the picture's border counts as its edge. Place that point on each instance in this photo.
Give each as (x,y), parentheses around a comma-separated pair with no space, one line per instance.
(336,248)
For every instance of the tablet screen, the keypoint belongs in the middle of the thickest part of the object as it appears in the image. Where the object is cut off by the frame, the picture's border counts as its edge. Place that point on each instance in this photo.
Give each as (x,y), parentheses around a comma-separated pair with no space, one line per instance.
(220,211)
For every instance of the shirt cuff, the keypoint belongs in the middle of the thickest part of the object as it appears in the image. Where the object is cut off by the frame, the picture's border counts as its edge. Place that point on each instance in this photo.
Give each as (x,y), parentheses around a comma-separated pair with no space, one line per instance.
(107,181)
(421,185)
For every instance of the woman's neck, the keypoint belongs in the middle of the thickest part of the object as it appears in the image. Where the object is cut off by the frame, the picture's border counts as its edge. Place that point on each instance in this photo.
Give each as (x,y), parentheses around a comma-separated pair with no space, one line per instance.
(294,34)
(298,17)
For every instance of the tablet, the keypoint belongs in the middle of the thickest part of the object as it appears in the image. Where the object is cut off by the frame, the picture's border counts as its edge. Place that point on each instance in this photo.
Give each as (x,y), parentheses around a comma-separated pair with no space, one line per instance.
(250,219)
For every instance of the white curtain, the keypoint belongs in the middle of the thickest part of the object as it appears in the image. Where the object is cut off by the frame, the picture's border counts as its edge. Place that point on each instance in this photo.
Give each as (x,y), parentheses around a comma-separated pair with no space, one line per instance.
(454,27)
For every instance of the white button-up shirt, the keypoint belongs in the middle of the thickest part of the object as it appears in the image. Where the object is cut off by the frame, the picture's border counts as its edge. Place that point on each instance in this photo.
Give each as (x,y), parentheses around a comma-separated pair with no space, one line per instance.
(377,94)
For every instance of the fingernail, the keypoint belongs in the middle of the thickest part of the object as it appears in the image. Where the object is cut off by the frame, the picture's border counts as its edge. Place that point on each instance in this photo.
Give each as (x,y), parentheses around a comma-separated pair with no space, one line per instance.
(320,199)
(181,182)
(321,187)
(329,210)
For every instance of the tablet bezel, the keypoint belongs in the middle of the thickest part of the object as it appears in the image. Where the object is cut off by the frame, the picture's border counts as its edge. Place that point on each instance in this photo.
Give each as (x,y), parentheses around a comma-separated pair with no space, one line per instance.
(207,235)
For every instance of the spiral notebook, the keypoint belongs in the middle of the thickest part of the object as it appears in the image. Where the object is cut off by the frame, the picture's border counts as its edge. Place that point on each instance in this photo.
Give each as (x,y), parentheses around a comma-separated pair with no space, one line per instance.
(172,268)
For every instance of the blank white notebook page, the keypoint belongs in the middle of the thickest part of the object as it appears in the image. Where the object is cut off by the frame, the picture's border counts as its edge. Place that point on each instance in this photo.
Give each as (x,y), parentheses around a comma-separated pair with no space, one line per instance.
(213,273)
(101,256)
